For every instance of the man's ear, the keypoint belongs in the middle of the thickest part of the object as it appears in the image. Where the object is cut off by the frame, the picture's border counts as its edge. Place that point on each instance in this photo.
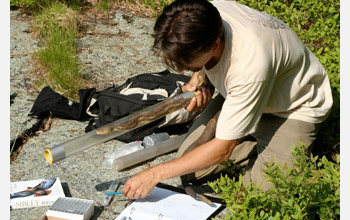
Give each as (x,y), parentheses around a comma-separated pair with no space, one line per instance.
(217,44)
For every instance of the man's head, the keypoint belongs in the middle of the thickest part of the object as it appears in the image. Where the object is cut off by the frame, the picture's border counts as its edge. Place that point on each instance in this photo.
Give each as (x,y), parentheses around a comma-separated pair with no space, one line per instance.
(185,30)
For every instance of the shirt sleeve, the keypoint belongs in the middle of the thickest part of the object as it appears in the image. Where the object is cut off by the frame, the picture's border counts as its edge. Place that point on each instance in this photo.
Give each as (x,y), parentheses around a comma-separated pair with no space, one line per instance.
(242,110)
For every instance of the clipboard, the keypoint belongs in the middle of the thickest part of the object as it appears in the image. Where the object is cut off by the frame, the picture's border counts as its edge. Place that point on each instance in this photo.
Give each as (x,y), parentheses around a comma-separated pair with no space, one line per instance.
(167,202)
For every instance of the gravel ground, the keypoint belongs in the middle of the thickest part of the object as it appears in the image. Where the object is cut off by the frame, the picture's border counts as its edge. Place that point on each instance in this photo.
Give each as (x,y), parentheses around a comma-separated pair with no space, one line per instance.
(22,47)
(110,54)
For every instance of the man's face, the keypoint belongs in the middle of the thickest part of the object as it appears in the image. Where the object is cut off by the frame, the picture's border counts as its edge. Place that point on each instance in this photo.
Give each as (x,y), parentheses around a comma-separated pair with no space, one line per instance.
(198,63)
(208,59)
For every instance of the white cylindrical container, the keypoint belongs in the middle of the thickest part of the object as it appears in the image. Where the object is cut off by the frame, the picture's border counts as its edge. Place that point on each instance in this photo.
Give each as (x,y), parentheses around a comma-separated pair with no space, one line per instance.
(126,149)
(148,153)
(151,140)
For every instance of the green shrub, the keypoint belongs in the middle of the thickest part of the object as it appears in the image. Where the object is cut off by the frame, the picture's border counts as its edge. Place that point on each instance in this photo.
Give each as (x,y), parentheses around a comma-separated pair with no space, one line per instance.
(310,190)
(57,17)
(317,23)
(156,5)
(103,4)
(38,5)
(57,26)
(29,5)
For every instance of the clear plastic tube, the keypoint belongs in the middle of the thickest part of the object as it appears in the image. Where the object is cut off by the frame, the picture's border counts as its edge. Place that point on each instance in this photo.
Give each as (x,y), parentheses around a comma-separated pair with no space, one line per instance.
(159,148)
(83,142)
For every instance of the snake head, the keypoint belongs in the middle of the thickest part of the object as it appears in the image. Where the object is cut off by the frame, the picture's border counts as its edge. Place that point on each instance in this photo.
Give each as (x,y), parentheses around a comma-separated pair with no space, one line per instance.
(104,130)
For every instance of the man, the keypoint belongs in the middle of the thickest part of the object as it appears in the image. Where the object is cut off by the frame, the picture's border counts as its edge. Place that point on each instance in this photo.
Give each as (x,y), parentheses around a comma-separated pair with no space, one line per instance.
(273,91)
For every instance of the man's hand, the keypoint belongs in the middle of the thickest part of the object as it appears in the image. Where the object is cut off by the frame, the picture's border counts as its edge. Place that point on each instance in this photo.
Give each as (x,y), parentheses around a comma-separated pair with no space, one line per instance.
(140,185)
(203,94)
(199,158)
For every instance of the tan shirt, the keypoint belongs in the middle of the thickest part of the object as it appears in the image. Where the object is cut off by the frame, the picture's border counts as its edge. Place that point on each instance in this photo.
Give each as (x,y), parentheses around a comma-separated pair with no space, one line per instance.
(265,68)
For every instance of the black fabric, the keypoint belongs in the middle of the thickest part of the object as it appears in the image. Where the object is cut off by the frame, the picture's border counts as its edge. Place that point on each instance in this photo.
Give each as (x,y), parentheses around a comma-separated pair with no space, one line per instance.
(110,104)
(49,102)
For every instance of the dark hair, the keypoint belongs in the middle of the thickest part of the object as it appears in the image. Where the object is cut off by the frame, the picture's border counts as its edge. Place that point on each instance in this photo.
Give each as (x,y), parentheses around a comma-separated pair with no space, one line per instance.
(185,29)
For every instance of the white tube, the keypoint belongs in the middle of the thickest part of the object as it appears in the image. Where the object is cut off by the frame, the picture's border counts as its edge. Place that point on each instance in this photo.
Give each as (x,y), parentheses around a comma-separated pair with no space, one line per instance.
(159,148)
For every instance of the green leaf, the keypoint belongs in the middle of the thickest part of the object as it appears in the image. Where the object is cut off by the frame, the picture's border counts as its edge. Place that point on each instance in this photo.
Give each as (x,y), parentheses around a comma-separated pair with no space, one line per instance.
(286,217)
(298,180)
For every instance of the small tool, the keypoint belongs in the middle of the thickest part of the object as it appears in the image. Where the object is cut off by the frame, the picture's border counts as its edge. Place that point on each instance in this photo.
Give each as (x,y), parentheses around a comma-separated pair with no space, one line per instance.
(197,196)
(112,188)
(113,193)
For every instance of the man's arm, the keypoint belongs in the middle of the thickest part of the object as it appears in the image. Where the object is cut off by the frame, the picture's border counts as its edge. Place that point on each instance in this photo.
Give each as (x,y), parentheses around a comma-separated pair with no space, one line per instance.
(204,156)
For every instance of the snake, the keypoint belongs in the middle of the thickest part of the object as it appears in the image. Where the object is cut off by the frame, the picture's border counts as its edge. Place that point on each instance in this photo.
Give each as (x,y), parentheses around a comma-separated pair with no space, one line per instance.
(146,116)
(157,111)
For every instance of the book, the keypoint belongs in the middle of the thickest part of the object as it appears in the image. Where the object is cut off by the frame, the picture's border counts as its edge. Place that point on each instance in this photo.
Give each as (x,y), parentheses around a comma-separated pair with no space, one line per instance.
(167,204)
(70,208)
(33,193)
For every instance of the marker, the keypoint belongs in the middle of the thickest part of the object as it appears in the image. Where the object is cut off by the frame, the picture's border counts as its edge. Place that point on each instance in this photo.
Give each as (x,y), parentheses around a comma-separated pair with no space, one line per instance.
(113,193)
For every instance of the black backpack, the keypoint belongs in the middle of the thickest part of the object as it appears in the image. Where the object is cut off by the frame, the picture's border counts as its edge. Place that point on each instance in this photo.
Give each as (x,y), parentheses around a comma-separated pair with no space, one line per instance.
(106,106)
(135,94)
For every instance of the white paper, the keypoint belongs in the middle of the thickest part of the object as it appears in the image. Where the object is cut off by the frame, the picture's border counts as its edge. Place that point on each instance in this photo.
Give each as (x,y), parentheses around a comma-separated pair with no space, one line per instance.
(163,204)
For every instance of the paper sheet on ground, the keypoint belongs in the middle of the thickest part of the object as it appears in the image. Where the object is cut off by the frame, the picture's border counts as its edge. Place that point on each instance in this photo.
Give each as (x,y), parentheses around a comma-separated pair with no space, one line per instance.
(163,204)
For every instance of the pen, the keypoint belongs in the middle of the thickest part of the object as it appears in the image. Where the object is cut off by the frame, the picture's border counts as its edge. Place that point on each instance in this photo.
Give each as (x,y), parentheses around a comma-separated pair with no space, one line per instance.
(113,193)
